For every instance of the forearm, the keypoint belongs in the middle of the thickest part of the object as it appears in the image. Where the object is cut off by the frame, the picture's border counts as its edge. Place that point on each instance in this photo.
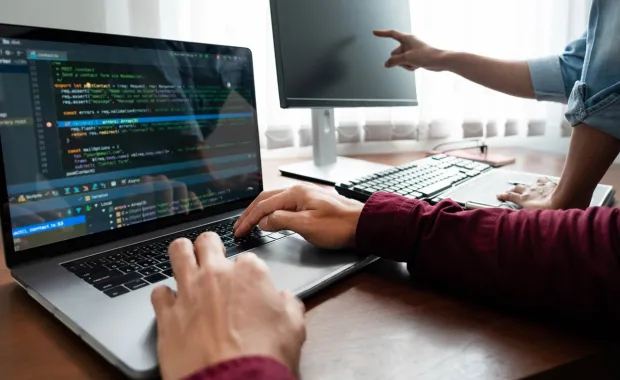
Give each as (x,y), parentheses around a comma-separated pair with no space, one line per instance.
(256,368)
(590,154)
(550,261)
(509,77)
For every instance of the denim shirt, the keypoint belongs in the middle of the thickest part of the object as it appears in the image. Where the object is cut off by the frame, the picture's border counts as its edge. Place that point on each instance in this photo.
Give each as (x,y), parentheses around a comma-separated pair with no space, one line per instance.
(586,75)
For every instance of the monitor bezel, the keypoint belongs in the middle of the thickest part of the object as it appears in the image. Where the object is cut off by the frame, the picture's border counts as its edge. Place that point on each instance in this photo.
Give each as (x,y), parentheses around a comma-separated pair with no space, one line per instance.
(14,258)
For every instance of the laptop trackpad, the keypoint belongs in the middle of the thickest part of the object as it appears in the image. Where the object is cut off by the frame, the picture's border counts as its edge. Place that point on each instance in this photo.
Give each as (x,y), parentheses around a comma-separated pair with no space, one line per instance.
(300,267)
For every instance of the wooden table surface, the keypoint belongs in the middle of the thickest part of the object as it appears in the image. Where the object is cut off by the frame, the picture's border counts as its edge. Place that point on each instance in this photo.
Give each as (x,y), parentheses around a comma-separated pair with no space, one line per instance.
(374,324)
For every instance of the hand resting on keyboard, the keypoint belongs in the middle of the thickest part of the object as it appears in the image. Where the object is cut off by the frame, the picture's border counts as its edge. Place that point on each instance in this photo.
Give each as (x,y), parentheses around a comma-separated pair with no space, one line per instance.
(322,217)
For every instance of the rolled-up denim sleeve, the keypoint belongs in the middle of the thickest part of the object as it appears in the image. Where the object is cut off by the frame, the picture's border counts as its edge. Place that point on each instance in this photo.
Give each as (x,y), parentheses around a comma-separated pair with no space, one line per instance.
(553,77)
(595,98)
(547,79)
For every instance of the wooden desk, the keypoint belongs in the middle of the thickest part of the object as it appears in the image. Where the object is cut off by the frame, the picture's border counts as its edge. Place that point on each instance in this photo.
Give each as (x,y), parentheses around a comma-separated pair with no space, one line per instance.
(372,325)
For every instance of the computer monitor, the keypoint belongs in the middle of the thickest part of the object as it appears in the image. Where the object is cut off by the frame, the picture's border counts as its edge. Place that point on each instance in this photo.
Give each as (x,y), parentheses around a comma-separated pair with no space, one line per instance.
(326,57)
(104,137)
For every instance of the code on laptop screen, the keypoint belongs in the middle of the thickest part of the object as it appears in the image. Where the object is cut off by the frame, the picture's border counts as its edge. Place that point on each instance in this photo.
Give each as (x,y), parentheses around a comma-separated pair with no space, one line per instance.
(97,138)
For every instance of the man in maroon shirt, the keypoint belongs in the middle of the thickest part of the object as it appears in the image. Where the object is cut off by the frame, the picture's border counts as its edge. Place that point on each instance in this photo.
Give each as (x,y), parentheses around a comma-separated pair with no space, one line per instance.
(229,322)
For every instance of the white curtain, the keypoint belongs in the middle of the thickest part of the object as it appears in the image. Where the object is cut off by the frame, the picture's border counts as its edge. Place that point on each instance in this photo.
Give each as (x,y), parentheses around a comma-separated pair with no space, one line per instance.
(515,29)
(509,29)
(512,29)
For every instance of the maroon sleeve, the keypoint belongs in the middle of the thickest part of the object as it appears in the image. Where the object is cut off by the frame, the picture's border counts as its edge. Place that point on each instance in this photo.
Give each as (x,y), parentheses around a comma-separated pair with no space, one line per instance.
(246,368)
(554,261)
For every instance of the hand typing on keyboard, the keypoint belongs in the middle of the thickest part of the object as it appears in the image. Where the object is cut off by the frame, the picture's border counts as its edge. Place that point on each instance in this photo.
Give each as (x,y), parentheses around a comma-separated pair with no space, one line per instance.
(322,217)
(223,310)
(131,268)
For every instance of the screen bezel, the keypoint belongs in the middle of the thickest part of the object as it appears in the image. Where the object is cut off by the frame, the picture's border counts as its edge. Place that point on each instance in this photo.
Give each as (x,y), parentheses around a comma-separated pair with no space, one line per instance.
(14,258)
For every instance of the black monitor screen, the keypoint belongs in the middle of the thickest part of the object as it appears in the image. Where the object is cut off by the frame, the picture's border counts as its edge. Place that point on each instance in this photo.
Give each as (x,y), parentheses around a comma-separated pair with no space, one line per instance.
(327,55)
(97,138)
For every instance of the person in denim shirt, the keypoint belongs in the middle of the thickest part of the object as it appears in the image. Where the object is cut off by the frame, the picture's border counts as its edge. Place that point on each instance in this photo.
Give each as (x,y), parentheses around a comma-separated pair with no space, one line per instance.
(586,77)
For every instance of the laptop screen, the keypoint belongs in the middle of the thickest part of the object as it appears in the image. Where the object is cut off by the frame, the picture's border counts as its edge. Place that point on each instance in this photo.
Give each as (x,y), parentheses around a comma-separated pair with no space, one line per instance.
(98,138)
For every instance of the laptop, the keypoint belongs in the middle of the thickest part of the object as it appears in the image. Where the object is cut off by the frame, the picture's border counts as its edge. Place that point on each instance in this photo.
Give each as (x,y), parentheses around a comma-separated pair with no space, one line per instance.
(112,147)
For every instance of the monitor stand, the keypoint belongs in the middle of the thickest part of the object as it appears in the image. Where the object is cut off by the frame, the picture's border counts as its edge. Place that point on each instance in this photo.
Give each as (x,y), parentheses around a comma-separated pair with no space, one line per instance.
(327,167)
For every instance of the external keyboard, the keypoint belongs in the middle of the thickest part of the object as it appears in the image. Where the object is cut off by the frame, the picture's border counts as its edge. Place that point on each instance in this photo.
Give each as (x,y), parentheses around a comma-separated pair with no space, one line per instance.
(118,272)
(421,179)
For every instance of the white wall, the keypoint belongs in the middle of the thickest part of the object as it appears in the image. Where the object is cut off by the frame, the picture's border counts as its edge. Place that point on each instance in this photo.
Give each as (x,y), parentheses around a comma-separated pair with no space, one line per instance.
(111,16)
(87,15)
(161,18)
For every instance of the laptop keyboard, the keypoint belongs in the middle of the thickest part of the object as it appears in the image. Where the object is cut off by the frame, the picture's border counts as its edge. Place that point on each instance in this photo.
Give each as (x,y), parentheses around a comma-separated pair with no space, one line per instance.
(421,179)
(131,268)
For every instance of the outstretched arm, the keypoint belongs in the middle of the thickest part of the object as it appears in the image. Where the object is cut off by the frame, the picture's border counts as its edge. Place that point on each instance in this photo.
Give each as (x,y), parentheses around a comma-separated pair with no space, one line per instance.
(510,77)
(545,78)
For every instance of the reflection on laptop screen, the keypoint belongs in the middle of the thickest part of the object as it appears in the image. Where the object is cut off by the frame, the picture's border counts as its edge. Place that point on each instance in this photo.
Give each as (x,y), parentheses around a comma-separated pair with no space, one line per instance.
(96,138)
